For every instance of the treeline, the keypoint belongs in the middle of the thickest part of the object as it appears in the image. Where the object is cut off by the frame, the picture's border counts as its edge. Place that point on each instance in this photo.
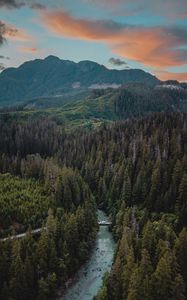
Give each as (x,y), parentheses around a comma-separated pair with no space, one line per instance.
(140,100)
(22,137)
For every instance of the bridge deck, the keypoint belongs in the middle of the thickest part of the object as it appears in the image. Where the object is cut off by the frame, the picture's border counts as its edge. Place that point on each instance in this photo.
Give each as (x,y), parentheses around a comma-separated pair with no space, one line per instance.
(104,223)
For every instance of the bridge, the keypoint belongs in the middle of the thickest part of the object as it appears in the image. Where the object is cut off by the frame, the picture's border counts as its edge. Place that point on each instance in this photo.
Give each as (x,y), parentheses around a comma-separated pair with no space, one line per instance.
(104,223)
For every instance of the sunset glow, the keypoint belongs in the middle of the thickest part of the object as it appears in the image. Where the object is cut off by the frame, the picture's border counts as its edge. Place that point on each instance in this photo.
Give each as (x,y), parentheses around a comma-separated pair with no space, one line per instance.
(147,35)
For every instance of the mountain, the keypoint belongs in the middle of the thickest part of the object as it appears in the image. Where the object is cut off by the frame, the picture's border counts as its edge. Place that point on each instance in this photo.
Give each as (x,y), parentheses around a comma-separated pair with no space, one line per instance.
(53,77)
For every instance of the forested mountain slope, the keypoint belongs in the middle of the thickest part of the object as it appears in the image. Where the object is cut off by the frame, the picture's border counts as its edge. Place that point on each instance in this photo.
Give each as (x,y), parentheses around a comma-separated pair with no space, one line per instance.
(131,101)
(56,78)
(103,106)
(136,171)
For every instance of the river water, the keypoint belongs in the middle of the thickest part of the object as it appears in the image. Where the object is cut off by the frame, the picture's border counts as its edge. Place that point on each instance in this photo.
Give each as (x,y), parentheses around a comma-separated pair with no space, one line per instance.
(88,279)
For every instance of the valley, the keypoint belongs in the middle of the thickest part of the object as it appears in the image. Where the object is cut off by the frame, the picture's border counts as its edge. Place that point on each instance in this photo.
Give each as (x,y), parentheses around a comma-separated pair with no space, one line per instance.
(131,169)
(87,282)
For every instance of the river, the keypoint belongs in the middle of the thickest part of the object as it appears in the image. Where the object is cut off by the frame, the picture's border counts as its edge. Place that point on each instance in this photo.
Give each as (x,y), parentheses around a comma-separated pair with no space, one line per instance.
(88,279)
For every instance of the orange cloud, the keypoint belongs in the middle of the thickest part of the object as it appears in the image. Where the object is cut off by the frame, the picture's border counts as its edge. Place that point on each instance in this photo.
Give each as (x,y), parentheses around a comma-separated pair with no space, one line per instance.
(28,49)
(153,47)
(64,24)
(17,35)
(164,75)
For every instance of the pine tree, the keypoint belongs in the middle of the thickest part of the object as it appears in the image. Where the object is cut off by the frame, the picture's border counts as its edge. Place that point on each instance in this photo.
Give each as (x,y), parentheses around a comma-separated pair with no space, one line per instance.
(42,254)
(154,196)
(148,239)
(146,271)
(29,276)
(17,282)
(127,272)
(181,253)
(162,280)
(43,289)
(182,199)
(178,288)
(126,190)
(134,285)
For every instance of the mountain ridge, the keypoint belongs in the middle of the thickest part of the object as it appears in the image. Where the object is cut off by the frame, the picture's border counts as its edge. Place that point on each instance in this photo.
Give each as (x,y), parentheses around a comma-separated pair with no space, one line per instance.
(53,76)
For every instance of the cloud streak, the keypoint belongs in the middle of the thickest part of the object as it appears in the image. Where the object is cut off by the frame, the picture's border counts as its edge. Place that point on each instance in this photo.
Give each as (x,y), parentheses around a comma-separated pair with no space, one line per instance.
(4,57)
(117,62)
(15,4)
(154,47)
(28,49)
(10,4)
(169,8)
(62,23)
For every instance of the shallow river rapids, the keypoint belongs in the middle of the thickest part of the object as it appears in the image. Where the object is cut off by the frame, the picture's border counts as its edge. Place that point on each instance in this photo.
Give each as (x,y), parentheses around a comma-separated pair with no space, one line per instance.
(88,279)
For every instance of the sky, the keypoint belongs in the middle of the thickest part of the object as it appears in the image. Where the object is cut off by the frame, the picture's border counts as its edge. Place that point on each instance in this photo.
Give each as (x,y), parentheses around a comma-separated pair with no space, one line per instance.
(121,34)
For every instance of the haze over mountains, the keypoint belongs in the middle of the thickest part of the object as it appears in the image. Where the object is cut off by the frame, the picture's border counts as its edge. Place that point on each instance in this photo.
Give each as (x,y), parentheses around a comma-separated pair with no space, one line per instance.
(55,77)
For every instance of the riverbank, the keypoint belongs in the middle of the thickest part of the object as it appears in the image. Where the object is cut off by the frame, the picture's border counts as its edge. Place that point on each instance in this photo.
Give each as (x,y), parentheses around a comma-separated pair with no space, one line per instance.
(88,280)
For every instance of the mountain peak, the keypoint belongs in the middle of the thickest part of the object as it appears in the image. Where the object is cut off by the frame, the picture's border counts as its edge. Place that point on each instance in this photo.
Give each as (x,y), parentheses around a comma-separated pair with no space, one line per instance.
(52,57)
(87,65)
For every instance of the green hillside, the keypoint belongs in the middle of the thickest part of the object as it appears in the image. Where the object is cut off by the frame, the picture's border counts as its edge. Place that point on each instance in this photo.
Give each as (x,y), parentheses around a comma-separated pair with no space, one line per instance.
(103,106)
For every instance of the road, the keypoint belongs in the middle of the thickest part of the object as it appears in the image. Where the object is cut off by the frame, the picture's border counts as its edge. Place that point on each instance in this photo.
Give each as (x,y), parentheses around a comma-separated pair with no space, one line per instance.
(35,231)
(21,235)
